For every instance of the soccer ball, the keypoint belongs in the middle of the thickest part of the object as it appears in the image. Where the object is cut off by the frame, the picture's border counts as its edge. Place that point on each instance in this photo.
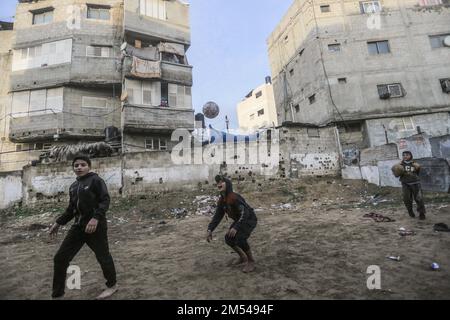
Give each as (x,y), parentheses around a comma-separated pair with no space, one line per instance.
(398,170)
(211,110)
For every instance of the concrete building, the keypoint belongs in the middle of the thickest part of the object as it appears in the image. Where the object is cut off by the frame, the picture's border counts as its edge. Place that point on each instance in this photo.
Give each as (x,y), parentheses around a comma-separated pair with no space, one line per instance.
(83,71)
(257,110)
(377,70)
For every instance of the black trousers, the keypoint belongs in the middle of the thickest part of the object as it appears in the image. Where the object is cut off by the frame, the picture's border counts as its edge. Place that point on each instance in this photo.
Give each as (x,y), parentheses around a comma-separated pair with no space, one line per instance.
(241,237)
(74,241)
(410,192)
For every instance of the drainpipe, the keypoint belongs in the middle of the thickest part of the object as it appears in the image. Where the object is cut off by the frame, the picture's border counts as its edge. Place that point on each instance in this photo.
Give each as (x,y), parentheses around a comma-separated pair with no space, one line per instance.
(338,141)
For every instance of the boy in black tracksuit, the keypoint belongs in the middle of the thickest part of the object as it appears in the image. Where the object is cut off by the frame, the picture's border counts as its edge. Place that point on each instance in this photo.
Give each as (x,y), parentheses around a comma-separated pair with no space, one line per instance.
(89,201)
(244,222)
(411,185)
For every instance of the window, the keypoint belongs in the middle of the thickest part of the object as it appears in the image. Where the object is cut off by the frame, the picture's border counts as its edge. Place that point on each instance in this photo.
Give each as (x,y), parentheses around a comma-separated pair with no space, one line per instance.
(149,144)
(153,8)
(47,146)
(177,96)
(42,55)
(425,3)
(18,147)
(437,41)
(162,144)
(291,72)
(335,47)
(36,102)
(94,102)
(156,144)
(173,58)
(98,51)
(98,12)
(404,124)
(43,16)
(342,80)
(387,91)
(325,8)
(378,47)
(370,6)
(258,94)
(445,85)
(313,132)
(260,112)
(312,99)
(297,108)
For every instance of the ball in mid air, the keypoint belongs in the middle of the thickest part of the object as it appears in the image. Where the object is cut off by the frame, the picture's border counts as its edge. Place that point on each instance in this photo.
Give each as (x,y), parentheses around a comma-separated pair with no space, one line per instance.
(211,110)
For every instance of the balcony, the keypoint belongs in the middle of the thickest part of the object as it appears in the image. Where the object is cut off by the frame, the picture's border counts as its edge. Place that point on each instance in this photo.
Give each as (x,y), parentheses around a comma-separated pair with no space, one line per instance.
(170,72)
(44,127)
(156,119)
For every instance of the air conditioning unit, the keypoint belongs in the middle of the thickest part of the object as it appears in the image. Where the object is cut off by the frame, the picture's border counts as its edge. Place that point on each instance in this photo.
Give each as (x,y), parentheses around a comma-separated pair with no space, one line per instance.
(446,85)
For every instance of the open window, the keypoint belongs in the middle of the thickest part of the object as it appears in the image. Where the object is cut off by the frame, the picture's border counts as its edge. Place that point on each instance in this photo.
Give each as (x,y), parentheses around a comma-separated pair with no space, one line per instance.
(394,90)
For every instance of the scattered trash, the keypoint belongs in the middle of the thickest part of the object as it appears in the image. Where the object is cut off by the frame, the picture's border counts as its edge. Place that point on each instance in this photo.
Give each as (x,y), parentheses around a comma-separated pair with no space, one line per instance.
(206,205)
(405,232)
(441,227)
(378,217)
(434,266)
(179,212)
(394,258)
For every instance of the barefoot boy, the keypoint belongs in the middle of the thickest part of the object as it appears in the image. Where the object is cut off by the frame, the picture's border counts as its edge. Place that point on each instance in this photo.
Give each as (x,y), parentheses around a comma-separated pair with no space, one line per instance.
(89,201)
(244,222)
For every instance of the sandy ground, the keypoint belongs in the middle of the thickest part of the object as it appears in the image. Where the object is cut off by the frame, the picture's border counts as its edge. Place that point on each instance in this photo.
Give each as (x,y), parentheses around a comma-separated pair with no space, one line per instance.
(312,242)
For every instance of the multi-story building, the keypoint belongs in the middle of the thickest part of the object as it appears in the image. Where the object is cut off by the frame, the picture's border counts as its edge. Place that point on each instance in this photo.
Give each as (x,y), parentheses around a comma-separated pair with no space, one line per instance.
(378,70)
(81,68)
(257,110)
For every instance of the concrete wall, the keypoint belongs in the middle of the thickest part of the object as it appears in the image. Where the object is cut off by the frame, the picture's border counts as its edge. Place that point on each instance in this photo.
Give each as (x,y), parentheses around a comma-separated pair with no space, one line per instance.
(51,182)
(302,153)
(10,188)
(436,124)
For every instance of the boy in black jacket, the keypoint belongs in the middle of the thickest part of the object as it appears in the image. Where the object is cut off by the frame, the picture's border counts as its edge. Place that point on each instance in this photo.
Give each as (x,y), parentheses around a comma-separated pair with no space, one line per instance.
(244,218)
(89,201)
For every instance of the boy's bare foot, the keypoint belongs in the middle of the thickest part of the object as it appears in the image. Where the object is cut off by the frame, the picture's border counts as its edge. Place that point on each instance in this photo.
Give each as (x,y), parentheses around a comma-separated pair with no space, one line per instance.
(107,293)
(249,267)
(236,262)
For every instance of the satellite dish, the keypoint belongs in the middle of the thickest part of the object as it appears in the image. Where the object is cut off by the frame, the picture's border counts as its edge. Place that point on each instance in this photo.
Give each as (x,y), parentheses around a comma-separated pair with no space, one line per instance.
(447,41)
(211,110)
(123,46)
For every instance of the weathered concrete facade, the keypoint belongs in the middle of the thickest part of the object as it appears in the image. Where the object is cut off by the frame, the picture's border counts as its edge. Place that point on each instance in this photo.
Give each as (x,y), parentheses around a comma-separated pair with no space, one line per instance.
(257,110)
(379,71)
(68,71)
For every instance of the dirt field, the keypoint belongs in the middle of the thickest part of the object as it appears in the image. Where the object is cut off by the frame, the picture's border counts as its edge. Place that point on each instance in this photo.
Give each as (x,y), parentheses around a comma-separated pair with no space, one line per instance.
(312,242)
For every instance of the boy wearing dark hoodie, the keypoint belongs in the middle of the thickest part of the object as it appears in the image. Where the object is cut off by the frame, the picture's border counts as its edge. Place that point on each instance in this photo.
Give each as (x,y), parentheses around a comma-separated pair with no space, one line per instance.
(411,185)
(89,201)
(244,221)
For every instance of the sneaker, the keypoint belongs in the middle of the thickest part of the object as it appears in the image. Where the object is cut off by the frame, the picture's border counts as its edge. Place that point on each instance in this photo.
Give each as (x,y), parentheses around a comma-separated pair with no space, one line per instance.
(107,293)
(411,214)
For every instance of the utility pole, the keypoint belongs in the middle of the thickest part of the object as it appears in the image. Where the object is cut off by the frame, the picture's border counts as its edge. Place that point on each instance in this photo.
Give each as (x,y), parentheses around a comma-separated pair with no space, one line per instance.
(227,123)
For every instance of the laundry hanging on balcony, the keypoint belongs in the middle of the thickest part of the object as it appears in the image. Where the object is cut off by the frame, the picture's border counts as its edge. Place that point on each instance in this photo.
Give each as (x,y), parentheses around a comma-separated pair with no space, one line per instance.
(145,68)
(169,47)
